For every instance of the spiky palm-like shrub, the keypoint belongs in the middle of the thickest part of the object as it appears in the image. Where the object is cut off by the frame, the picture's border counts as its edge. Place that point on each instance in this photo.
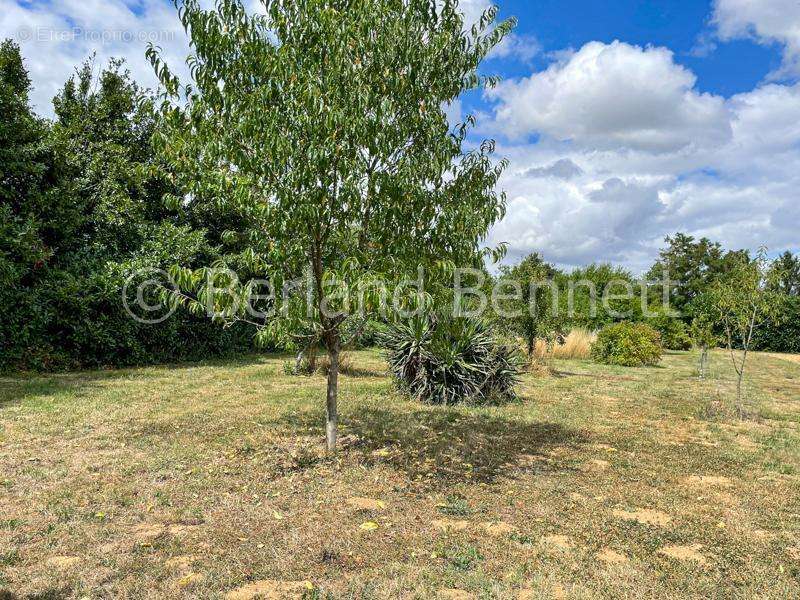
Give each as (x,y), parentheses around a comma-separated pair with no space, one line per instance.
(451,360)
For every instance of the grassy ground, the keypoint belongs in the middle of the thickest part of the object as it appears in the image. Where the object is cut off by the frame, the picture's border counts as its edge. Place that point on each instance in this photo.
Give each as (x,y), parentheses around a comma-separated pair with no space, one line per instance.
(209,481)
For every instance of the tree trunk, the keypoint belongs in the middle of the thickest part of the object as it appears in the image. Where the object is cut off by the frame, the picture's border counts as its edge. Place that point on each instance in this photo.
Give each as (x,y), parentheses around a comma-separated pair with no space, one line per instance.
(739,382)
(331,412)
(703,362)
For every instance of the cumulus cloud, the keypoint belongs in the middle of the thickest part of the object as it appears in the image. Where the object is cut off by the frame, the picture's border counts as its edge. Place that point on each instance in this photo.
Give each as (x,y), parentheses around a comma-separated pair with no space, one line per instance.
(561,169)
(614,96)
(735,181)
(766,21)
(55,37)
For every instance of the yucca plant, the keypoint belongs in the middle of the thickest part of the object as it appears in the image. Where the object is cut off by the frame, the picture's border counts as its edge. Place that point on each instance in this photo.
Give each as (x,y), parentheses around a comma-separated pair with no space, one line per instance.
(450,360)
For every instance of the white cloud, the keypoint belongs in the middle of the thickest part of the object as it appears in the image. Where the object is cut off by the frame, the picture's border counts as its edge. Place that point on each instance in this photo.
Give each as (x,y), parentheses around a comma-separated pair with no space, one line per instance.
(55,37)
(614,96)
(733,178)
(522,47)
(766,21)
(564,168)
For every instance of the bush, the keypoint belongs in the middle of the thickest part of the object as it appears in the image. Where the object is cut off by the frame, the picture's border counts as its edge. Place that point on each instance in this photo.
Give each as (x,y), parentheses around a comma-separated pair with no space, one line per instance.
(628,345)
(451,360)
(674,332)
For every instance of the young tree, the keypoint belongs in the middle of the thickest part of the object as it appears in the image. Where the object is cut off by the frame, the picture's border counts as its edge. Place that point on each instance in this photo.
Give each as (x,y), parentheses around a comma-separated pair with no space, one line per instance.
(703,337)
(533,310)
(323,122)
(743,302)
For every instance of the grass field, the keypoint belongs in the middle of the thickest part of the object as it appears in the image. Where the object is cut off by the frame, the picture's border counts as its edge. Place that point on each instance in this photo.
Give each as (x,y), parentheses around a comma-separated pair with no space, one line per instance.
(210,481)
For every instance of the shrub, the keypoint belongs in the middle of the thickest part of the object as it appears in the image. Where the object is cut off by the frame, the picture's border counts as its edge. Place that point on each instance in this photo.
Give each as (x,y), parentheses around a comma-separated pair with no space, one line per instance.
(628,345)
(451,360)
(674,332)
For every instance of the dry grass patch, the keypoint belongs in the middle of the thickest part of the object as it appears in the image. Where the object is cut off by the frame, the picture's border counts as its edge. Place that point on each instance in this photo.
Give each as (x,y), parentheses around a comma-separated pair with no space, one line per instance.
(210,480)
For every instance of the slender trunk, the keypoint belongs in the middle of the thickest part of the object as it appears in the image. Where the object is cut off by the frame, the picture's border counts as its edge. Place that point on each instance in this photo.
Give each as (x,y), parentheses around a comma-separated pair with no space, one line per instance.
(331,412)
(741,378)
(703,359)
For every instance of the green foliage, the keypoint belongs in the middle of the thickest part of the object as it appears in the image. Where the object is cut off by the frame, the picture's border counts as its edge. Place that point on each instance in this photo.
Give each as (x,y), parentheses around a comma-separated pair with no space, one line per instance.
(743,300)
(702,332)
(583,290)
(628,344)
(692,265)
(322,125)
(532,312)
(785,274)
(82,211)
(674,332)
(451,360)
(781,333)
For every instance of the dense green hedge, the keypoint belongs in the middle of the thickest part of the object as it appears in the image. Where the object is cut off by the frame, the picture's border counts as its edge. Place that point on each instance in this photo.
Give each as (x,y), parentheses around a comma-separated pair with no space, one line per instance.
(781,334)
(82,207)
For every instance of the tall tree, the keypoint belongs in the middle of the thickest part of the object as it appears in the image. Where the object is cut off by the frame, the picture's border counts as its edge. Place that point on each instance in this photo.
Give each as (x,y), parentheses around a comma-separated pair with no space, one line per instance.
(692,265)
(324,121)
(24,170)
(786,274)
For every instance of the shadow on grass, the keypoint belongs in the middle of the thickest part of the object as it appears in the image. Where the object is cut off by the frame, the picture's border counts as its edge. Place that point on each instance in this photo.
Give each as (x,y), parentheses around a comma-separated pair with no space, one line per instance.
(445,445)
(16,387)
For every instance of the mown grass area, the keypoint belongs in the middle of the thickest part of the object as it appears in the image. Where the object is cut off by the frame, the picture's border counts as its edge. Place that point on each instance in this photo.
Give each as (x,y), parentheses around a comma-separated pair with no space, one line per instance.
(211,481)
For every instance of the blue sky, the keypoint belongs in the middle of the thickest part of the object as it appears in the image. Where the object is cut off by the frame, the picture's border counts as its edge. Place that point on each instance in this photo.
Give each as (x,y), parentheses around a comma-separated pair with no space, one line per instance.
(735,66)
(623,121)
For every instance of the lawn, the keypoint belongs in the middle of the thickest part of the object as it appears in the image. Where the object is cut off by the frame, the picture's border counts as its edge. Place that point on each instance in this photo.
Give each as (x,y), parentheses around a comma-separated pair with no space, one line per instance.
(210,481)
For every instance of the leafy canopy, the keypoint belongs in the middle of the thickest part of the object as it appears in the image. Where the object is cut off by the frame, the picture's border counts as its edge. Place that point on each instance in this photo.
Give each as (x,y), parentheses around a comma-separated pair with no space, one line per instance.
(322,124)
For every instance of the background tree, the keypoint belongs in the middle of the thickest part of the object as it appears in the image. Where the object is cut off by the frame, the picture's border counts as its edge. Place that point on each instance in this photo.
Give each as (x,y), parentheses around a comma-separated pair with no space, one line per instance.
(323,121)
(693,265)
(786,274)
(82,208)
(25,168)
(533,313)
(743,302)
(582,291)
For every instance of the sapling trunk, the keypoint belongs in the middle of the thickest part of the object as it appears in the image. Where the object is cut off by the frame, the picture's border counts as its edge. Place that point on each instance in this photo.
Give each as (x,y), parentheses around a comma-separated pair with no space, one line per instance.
(331,410)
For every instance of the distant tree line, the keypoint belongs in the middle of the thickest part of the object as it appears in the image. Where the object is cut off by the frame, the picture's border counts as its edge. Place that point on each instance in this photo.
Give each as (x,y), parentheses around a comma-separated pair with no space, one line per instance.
(692,266)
